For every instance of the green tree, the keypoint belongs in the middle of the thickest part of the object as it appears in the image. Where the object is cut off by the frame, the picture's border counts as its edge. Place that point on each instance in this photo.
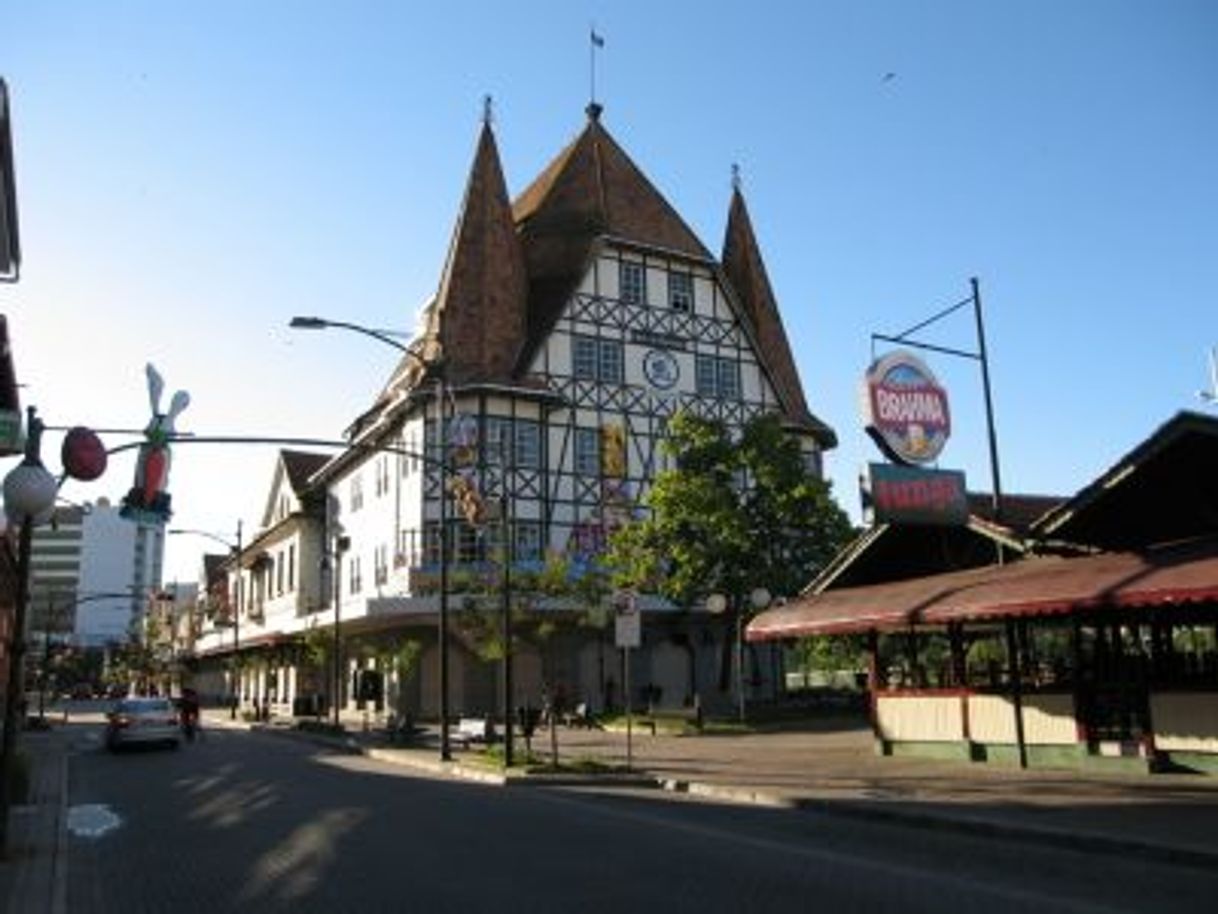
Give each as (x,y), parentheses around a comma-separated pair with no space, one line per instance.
(733,514)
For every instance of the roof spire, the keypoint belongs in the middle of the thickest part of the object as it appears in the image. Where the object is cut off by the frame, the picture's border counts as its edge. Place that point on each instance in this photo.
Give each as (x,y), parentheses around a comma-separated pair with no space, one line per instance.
(488,112)
(736,177)
(594,41)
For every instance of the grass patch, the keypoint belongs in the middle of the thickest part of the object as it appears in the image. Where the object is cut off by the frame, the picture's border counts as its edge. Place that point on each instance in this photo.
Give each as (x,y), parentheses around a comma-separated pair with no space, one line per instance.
(675,724)
(539,762)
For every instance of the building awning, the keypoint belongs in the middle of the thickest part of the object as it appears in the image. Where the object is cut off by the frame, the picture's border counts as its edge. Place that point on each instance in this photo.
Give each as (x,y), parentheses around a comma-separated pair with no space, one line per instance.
(1178,574)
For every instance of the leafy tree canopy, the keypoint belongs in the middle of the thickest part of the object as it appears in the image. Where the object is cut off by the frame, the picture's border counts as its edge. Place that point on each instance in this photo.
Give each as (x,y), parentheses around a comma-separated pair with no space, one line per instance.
(733,514)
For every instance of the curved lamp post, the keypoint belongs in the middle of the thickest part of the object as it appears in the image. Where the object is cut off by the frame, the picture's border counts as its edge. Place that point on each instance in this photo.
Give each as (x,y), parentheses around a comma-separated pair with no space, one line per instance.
(235,549)
(319,323)
(29,498)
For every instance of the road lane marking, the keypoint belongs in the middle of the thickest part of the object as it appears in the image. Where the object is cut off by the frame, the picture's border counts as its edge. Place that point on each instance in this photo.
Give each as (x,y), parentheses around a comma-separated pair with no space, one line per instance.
(92,820)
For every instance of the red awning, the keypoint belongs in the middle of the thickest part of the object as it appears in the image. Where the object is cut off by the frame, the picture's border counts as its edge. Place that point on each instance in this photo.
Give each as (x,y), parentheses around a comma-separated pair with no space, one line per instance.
(1173,575)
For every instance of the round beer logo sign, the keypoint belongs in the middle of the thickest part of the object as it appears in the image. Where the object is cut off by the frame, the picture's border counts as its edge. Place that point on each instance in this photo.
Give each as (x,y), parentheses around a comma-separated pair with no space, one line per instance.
(906,408)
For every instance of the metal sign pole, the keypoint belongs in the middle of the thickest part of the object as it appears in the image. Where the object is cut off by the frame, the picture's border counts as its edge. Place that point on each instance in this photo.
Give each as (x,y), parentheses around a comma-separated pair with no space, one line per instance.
(629,734)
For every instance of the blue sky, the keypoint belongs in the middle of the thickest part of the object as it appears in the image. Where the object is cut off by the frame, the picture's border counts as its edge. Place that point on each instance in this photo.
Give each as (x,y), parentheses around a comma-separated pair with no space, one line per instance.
(192,175)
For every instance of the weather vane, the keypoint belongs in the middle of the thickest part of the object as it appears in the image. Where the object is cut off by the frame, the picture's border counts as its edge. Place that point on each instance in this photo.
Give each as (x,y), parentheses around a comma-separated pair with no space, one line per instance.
(595,41)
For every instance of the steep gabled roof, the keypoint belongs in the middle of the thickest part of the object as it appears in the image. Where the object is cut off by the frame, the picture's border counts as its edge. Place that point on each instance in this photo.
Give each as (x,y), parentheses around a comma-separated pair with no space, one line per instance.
(296,467)
(299,466)
(1164,489)
(746,273)
(591,190)
(478,317)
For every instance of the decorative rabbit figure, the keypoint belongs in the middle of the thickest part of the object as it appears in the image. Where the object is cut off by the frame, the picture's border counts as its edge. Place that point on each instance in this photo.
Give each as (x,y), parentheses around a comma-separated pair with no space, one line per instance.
(149,497)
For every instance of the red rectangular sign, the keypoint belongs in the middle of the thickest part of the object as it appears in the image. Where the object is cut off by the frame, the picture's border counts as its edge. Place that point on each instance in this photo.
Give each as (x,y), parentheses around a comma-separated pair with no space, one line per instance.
(911,495)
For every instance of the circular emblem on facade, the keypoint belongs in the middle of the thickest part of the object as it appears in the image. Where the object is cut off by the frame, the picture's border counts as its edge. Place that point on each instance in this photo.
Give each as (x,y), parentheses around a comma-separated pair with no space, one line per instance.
(906,408)
(661,369)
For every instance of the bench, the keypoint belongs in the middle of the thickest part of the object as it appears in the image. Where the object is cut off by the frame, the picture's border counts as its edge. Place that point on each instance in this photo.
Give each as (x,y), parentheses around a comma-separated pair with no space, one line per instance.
(473,730)
(580,716)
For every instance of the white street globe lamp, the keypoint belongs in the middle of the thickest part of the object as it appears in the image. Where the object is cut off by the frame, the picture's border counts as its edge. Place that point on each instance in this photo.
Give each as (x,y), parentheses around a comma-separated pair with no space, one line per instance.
(760,598)
(29,491)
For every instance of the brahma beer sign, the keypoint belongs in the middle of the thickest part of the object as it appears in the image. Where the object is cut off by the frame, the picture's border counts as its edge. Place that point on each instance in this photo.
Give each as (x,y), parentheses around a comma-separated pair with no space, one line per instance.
(906,409)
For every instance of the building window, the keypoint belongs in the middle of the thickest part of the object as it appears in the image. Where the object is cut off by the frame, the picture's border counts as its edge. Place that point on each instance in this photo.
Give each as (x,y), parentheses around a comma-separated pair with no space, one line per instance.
(728,374)
(597,359)
(357,577)
(279,570)
(813,465)
(527,437)
(382,476)
(681,292)
(632,283)
(357,493)
(704,375)
(292,567)
(584,359)
(588,452)
(381,565)
(467,542)
(498,441)
(527,546)
(719,377)
(609,359)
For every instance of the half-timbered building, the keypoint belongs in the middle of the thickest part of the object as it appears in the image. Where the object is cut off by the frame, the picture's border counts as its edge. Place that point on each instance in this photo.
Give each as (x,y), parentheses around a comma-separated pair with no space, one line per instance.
(568,326)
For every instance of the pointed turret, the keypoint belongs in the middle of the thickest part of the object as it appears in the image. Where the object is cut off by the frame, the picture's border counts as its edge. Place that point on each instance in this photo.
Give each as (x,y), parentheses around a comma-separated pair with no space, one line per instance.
(746,272)
(477,321)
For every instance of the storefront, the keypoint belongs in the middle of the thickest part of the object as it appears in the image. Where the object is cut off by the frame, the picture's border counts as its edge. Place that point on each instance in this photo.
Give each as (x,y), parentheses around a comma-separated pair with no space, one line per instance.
(1095,642)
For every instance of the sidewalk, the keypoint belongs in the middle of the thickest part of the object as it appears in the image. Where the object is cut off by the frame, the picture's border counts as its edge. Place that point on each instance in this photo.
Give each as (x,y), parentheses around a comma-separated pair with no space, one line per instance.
(33,875)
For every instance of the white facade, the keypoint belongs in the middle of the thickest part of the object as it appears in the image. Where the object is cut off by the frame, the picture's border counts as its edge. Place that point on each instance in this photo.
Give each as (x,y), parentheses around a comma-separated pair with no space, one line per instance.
(120,558)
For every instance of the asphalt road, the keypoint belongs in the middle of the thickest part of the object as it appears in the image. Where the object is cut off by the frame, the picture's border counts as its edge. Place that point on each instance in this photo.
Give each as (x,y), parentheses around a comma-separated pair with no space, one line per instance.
(254,822)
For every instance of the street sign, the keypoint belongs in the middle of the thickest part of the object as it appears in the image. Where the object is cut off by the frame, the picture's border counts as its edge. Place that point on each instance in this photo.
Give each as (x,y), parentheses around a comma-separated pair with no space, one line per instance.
(627,620)
(913,495)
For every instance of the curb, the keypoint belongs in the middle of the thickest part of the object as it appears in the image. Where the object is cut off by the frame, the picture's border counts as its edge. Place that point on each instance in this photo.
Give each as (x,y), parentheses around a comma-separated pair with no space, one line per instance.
(1083,842)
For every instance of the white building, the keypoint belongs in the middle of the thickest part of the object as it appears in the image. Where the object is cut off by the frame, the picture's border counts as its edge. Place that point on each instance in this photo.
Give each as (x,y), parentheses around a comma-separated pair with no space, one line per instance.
(90,573)
(567,327)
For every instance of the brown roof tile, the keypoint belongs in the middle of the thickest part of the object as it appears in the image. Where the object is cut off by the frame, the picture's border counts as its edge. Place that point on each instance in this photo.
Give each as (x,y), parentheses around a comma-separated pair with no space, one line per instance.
(745,271)
(479,314)
(591,190)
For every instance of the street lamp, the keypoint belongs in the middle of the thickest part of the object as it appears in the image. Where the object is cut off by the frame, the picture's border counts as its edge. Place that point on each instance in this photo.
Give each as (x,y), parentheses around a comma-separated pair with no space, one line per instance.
(716,604)
(29,496)
(235,548)
(319,323)
(341,545)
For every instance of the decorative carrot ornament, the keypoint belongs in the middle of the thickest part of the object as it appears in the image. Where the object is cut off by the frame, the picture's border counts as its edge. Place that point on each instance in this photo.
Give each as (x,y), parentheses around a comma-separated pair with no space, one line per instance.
(148,500)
